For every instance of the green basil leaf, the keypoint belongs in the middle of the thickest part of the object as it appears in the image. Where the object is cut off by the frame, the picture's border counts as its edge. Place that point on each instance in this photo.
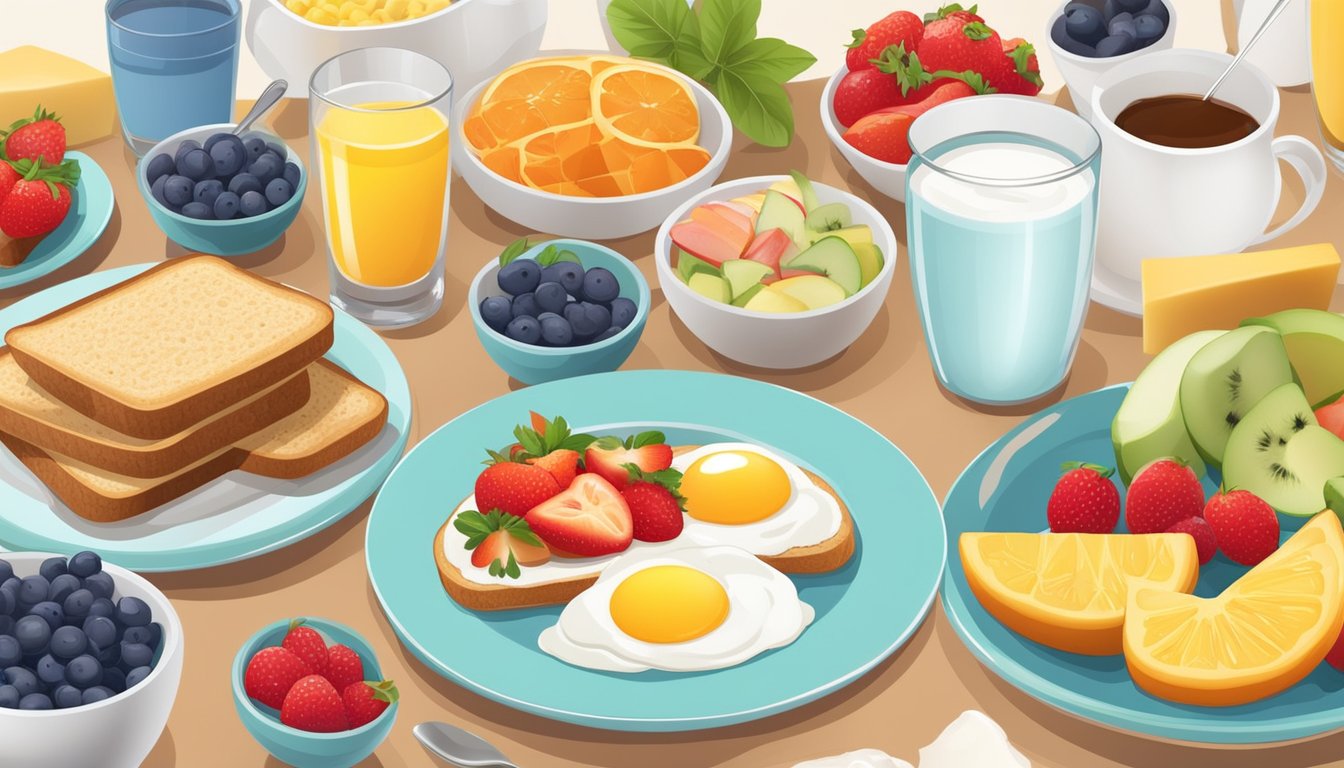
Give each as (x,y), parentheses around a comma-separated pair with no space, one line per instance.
(513,250)
(547,256)
(771,58)
(758,106)
(652,437)
(726,26)
(688,55)
(648,29)
(569,256)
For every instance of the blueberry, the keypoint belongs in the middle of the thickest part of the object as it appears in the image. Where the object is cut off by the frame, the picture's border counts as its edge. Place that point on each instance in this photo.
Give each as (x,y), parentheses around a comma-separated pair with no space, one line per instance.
(63,586)
(1067,43)
(600,285)
(131,635)
(66,696)
(226,206)
(156,192)
(84,672)
(196,165)
(525,305)
(68,642)
(100,630)
(566,273)
(252,204)
(96,694)
(1115,45)
(519,276)
(623,312)
(137,676)
(177,190)
(85,564)
(214,139)
(607,334)
(159,166)
(278,192)
(7,602)
(195,210)
(1084,23)
(115,679)
(9,697)
(1131,6)
(265,168)
(155,635)
(101,584)
(292,174)
(496,311)
(34,701)
(49,612)
(12,584)
(256,147)
(277,148)
(10,652)
(525,329)
(228,154)
(52,567)
(207,191)
(77,605)
(588,319)
(555,330)
(6,571)
(34,589)
(1148,29)
(136,655)
(550,297)
(109,656)
(102,606)
(23,679)
(1122,24)
(7,626)
(244,183)
(50,670)
(1157,8)
(186,146)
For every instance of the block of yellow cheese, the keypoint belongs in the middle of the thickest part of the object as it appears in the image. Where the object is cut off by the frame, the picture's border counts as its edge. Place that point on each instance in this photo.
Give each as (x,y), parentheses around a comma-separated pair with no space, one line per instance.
(1198,293)
(78,93)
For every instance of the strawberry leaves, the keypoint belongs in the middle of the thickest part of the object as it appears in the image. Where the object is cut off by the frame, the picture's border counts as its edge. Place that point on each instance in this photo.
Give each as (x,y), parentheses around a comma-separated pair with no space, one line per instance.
(977,31)
(668,478)
(555,436)
(948,10)
(1069,466)
(1021,56)
(478,528)
(612,443)
(911,74)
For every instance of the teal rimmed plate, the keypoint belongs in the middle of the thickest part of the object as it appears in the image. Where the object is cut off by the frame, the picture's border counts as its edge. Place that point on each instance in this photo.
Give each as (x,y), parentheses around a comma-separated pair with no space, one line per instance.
(91,205)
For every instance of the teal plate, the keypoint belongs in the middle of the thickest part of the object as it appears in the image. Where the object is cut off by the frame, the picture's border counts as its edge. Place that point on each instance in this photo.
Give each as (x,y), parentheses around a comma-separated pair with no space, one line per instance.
(1006,489)
(91,206)
(865,611)
(233,518)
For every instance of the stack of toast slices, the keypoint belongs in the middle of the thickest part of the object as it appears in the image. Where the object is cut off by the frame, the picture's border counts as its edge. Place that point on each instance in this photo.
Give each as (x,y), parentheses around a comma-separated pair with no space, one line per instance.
(146,391)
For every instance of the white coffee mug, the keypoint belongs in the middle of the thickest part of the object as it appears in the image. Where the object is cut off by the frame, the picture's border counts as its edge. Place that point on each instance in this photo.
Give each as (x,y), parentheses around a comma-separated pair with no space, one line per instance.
(1159,201)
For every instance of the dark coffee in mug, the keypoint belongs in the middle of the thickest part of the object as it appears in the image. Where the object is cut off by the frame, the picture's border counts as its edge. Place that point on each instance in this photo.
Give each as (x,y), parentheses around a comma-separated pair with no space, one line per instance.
(1186,121)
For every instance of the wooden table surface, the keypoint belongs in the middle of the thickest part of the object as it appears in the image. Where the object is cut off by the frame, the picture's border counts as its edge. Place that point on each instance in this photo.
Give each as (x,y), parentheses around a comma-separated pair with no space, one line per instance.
(884,379)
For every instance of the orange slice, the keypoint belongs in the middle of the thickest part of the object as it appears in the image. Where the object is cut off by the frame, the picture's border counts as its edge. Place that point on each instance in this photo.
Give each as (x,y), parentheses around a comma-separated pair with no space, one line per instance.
(645,106)
(527,99)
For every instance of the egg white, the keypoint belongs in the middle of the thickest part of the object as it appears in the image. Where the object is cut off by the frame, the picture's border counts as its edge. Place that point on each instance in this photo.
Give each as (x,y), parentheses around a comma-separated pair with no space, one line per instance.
(764,613)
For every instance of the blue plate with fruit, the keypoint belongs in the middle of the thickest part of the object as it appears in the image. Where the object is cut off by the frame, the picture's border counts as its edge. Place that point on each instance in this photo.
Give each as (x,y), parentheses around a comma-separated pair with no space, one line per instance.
(857,608)
(91,204)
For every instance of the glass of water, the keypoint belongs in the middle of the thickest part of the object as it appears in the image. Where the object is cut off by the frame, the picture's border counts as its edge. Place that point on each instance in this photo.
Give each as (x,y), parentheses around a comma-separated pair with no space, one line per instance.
(1001,221)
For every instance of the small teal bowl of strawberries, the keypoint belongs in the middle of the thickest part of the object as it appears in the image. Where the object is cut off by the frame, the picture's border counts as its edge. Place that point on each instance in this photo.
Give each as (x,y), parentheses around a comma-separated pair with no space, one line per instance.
(310,691)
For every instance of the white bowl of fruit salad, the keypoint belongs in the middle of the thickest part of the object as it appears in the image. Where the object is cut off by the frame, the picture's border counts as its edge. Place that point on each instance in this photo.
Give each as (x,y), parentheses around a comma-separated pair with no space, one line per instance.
(776,271)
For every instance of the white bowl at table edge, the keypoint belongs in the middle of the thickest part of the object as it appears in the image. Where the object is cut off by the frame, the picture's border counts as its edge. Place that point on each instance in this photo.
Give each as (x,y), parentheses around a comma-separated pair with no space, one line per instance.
(887,178)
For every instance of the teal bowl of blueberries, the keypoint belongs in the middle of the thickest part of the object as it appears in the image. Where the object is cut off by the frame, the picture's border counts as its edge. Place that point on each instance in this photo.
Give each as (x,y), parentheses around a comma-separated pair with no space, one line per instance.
(558,309)
(213,192)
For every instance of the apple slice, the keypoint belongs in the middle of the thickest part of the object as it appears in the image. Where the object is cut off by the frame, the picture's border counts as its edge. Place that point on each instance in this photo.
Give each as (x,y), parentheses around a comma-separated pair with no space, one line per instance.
(711,245)
(753,201)
(780,212)
(870,261)
(773,302)
(741,209)
(789,188)
(813,290)
(771,248)
(712,287)
(833,257)
(744,274)
(688,265)
(829,217)
(786,273)
(745,299)
(716,216)
(806,194)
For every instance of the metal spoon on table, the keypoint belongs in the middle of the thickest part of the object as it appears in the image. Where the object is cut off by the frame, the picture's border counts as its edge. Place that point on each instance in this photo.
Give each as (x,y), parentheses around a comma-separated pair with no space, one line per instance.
(1274,14)
(459,747)
(268,98)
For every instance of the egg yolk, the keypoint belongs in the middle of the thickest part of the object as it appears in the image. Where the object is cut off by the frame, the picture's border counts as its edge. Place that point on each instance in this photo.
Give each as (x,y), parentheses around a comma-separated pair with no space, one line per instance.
(734,488)
(668,604)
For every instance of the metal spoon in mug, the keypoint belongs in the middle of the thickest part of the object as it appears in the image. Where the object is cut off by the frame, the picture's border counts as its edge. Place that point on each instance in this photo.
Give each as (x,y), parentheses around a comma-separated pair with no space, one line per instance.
(459,747)
(1274,14)
(268,98)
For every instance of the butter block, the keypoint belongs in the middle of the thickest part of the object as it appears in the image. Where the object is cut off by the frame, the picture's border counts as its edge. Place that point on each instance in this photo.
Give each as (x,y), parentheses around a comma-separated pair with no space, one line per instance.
(78,93)
(1200,293)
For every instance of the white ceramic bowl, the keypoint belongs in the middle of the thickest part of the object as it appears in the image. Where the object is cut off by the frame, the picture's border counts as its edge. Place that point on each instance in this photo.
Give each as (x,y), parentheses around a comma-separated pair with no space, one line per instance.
(780,341)
(114,733)
(887,178)
(593,218)
(472,38)
(1081,73)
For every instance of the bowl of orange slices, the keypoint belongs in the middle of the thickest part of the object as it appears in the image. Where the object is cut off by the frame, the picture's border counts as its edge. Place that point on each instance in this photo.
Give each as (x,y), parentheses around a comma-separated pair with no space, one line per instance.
(589,146)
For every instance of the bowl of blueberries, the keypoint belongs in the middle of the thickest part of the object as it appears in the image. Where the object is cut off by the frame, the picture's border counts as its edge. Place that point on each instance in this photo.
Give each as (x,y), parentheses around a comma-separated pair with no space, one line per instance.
(213,192)
(558,309)
(1088,37)
(90,659)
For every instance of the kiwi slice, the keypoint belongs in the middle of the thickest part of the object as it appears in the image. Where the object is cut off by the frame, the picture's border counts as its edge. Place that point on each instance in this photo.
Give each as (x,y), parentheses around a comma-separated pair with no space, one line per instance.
(1279,453)
(1225,379)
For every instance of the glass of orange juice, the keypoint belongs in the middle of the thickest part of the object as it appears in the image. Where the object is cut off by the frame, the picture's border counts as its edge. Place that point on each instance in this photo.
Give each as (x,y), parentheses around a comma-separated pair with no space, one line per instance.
(1327,75)
(379,125)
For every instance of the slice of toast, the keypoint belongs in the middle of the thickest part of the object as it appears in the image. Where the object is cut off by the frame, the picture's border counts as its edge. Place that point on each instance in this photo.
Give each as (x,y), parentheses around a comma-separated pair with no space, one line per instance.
(30,414)
(822,557)
(341,415)
(167,349)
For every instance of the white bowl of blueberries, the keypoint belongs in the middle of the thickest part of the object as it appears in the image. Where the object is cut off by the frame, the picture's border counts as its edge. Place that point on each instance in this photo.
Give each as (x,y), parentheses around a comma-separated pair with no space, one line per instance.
(1088,37)
(90,659)
(213,192)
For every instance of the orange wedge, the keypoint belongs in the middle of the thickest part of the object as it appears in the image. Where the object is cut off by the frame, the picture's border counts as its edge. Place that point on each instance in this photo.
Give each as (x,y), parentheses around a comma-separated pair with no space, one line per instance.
(527,99)
(1262,635)
(1068,590)
(645,106)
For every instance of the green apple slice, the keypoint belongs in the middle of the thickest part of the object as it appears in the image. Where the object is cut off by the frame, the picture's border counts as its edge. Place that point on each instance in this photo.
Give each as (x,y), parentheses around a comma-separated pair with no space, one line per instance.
(743,274)
(834,258)
(813,290)
(712,287)
(1315,343)
(774,302)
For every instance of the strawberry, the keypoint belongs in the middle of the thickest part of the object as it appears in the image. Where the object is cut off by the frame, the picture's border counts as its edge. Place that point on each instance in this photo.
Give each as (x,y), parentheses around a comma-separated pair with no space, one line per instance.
(344,667)
(587,519)
(1161,495)
(884,135)
(656,506)
(548,444)
(901,28)
(514,488)
(308,645)
(8,178)
(1247,528)
(39,138)
(365,701)
(500,542)
(37,203)
(1084,500)
(562,464)
(1335,657)
(953,12)
(314,705)
(608,456)
(1206,542)
(865,91)
(1017,71)
(271,672)
(958,41)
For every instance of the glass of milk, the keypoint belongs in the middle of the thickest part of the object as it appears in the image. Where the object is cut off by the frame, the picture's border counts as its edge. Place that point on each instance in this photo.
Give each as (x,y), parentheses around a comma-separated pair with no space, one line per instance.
(1001,221)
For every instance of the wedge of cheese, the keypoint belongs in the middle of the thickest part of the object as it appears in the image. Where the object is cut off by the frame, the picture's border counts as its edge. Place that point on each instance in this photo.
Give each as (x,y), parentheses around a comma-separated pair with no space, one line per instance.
(78,93)
(1199,293)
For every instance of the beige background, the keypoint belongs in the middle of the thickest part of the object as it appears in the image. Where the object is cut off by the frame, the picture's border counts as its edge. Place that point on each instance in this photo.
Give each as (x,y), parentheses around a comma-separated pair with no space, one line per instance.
(883,379)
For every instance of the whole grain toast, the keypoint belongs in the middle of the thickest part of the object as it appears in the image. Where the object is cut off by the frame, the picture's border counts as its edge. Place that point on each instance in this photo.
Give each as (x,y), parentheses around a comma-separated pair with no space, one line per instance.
(30,414)
(166,349)
(341,415)
(822,557)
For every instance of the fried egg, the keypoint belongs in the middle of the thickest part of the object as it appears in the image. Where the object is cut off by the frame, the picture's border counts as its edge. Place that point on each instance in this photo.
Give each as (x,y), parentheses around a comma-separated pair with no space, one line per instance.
(752,498)
(678,608)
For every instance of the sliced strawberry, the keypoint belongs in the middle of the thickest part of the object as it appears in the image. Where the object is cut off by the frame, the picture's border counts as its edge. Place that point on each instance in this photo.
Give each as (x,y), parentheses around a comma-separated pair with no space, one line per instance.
(562,464)
(608,456)
(500,542)
(588,519)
